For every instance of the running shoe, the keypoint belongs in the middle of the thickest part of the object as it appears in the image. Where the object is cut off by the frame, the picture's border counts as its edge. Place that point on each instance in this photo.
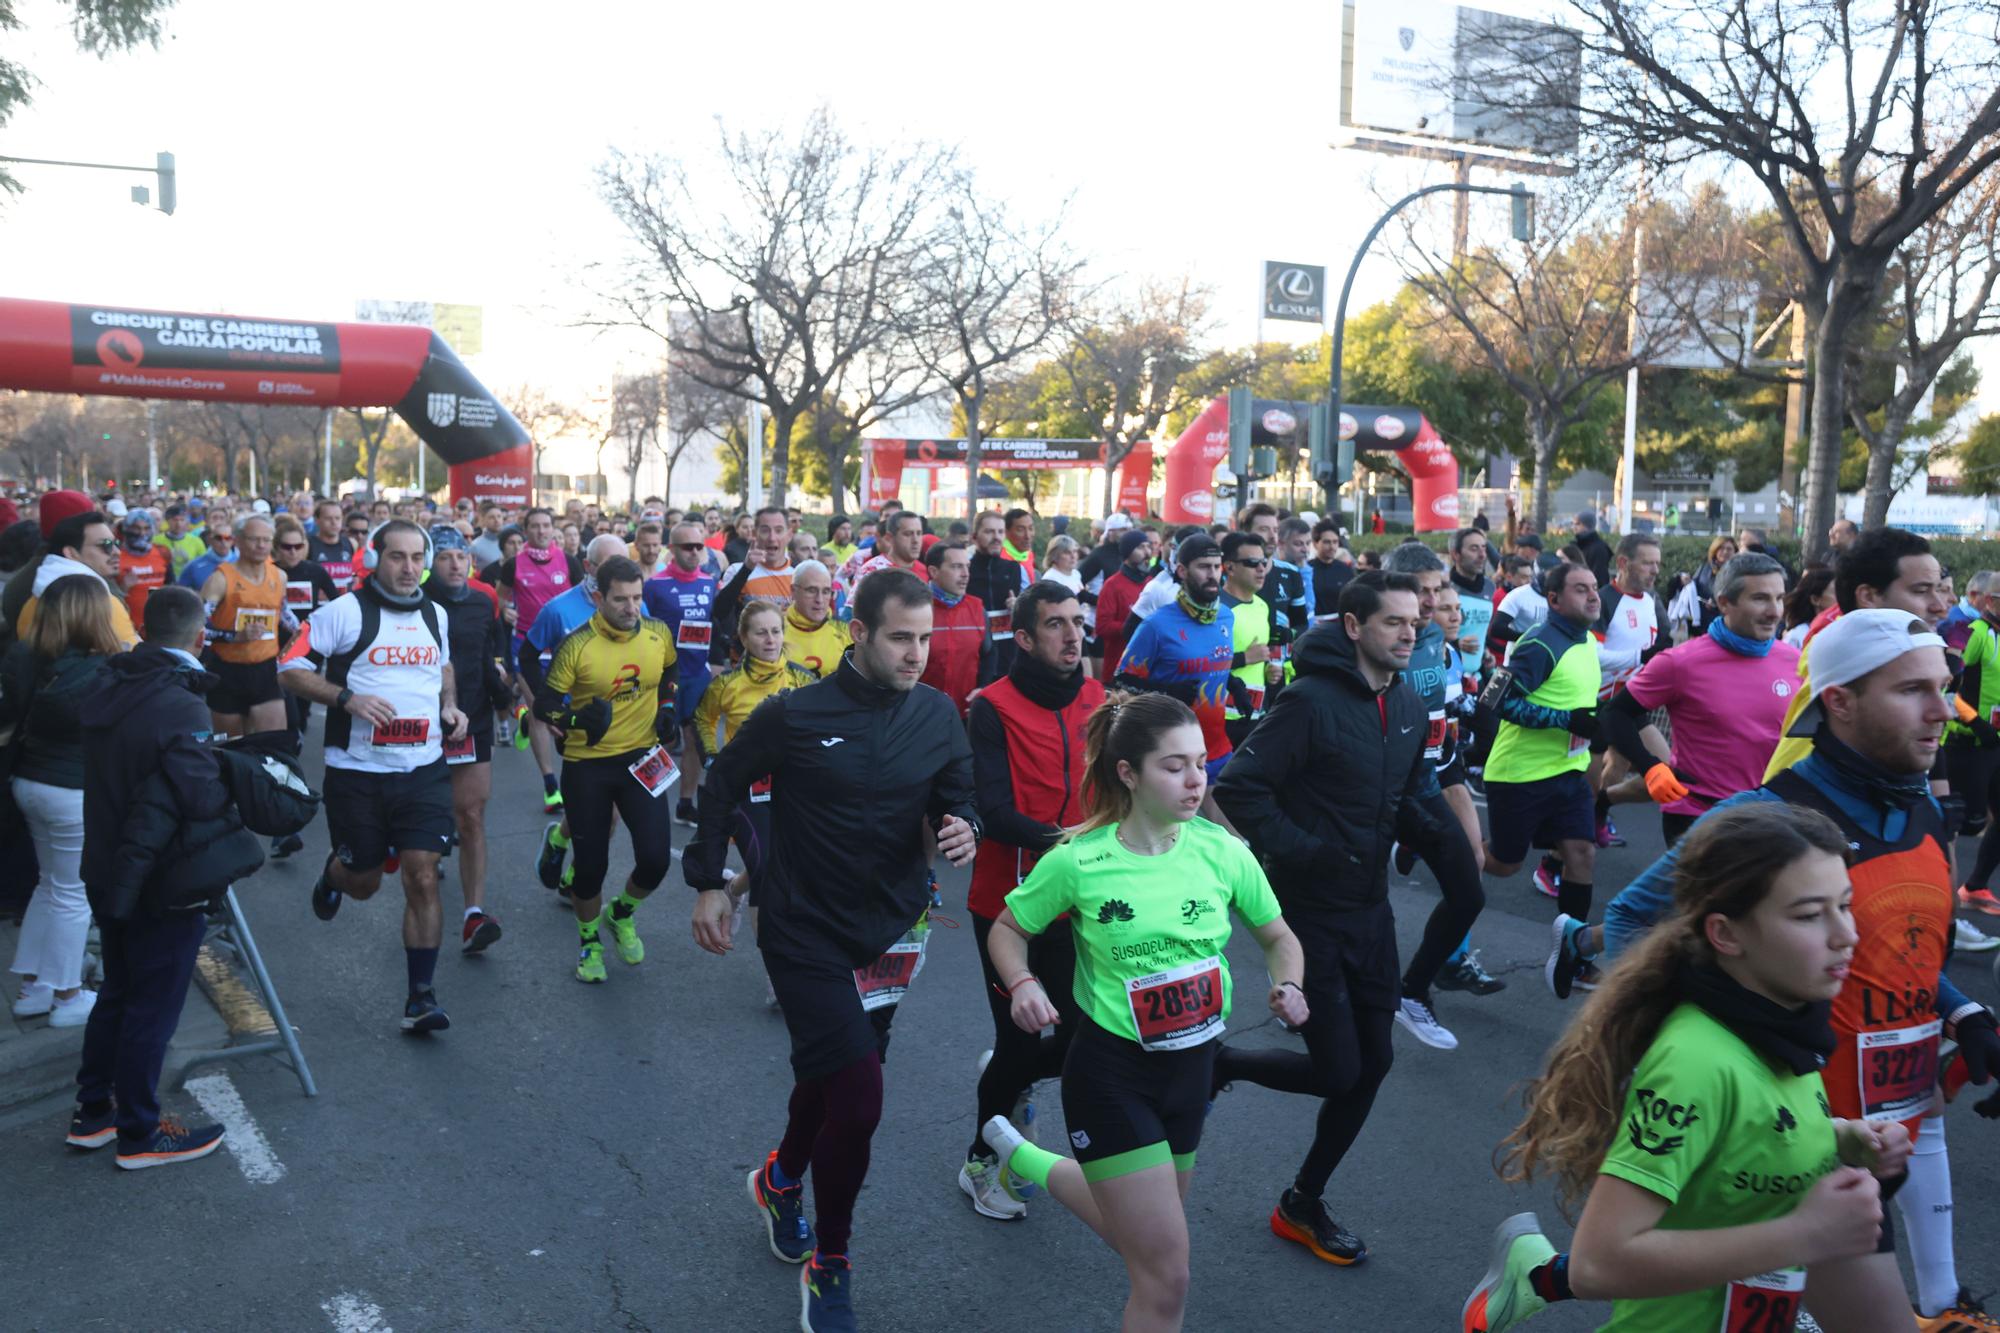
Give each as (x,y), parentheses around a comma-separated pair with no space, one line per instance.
(684,813)
(423,1014)
(1003,1136)
(982,1182)
(625,935)
(1307,1222)
(1979,900)
(1968,938)
(826,1297)
(1423,1025)
(481,930)
(590,962)
(1504,1297)
(521,731)
(88,1130)
(791,1236)
(549,865)
(552,802)
(1564,961)
(503,731)
(325,898)
(1586,976)
(171,1143)
(1607,833)
(1547,880)
(1465,973)
(1964,1315)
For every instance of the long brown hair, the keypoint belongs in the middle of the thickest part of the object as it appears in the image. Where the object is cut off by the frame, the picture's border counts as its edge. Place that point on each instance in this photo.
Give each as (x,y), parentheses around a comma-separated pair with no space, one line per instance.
(1727,865)
(1126,726)
(74,612)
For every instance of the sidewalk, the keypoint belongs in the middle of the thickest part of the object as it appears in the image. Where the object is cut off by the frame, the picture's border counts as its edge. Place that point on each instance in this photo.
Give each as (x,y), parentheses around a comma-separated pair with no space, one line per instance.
(38,1063)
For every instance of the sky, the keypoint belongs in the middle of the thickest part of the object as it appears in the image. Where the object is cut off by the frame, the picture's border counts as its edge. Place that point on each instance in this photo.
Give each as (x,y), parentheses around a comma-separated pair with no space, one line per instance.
(444,151)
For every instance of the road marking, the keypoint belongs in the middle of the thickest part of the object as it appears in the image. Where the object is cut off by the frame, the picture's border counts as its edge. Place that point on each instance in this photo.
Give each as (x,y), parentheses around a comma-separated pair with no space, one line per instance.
(351,1314)
(245,1142)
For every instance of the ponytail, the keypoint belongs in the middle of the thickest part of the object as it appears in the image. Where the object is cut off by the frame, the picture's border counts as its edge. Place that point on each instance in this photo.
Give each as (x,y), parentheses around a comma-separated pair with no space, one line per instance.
(1126,727)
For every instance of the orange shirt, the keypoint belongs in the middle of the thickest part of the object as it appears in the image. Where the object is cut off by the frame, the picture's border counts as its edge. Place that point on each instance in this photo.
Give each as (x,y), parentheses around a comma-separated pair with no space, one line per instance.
(249,608)
(144,573)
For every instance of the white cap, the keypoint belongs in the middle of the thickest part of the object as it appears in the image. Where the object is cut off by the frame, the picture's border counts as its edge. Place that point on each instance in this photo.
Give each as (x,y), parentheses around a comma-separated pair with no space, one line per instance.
(261,506)
(115,507)
(1856,643)
(1118,522)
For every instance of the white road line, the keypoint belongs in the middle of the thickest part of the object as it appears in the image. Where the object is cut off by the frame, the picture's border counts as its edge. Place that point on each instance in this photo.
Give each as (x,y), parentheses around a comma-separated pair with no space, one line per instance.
(245,1142)
(351,1314)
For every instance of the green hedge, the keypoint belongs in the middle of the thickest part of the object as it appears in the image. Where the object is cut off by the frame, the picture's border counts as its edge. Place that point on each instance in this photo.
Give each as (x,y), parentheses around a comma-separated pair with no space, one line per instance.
(1963,556)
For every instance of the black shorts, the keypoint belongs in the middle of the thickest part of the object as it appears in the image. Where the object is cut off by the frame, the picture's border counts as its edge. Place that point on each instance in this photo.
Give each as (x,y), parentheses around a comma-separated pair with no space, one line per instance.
(1129,1108)
(1452,772)
(1522,814)
(1351,960)
(823,1014)
(240,685)
(368,815)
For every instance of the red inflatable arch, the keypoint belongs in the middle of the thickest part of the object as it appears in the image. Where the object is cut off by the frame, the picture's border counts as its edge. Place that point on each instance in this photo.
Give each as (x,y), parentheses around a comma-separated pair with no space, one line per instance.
(1191,462)
(119,350)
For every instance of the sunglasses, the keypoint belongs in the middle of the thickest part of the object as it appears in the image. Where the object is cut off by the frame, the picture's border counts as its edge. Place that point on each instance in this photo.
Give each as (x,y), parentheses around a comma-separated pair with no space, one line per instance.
(108,544)
(291,546)
(1254,564)
(688,546)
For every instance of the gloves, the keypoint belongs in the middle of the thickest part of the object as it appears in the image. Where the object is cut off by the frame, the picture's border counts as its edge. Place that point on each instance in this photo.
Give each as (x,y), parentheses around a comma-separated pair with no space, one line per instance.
(1663,786)
(593,719)
(1979,1046)
(667,726)
(1984,734)
(1583,722)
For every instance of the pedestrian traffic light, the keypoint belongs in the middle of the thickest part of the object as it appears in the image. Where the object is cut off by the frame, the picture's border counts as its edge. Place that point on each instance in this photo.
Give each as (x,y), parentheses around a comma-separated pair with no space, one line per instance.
(1239,431)
(1524,212)
(169,190)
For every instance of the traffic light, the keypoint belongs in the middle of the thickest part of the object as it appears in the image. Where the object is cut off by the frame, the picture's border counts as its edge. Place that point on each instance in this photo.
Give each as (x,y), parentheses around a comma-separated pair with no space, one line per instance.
(1318,444)
(1239,431)
(169,190)
(1524,212)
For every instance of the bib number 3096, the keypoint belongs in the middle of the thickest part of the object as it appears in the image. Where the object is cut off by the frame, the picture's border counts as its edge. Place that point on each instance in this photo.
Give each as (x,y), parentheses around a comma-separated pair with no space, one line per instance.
(401,731)
(1180,1008)
(1767,1303)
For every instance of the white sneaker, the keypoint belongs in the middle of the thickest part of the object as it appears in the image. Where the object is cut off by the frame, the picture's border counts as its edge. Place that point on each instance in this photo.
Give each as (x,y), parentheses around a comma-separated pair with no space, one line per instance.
(75,1011)
(1968,938)
(981,1182)
(34,1000)
(1423,1025)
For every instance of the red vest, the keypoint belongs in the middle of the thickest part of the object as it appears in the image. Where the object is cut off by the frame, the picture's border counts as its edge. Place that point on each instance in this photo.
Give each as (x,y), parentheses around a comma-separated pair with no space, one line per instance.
(957,635)
(1045,767)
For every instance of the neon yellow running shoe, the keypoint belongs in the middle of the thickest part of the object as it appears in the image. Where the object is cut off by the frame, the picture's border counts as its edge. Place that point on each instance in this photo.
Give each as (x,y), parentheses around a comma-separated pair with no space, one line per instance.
(590,962)
(631,951)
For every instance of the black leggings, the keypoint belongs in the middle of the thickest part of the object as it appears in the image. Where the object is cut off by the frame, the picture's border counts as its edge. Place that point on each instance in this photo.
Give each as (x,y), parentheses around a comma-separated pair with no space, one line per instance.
(591,789)
(1450,858)
(1969,769)
(1672,827)
(1021,1058)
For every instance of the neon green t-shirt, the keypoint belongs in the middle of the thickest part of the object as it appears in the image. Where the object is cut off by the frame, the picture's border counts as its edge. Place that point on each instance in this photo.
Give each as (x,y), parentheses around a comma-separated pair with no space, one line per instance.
(1136,916)
(1727,1138)
(1982,650)
(1530,754)
(1253,626)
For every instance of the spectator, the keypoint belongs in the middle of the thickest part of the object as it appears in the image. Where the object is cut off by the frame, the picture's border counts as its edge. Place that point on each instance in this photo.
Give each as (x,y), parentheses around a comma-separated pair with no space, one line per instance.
(1720,552)
(1596,551)
(80,544)
(1062,555)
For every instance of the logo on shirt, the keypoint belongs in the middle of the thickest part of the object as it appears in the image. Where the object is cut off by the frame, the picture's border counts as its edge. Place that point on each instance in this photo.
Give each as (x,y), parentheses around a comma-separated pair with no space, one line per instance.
(1781,688)
(389,654)
(1115,910)
(1194,909)
(832,741)
(1653,1117)
(1785,1122)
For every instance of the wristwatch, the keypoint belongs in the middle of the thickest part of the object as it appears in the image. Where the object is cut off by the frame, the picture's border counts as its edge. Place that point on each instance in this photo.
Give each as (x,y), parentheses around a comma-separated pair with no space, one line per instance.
(345,695)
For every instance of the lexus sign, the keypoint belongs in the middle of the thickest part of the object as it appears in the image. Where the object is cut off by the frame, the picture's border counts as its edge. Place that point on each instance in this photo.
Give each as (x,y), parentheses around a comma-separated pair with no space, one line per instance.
(1295,291)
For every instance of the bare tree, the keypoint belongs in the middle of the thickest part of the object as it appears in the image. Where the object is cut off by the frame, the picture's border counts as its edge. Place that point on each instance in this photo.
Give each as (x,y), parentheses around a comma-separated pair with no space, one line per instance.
(638,410)
(987,295)
(543,415)
(790,267)
(1860,123)
(696,409)
(373,427)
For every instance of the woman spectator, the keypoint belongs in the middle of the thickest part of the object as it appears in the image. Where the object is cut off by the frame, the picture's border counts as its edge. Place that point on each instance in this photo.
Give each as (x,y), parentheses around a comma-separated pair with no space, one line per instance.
(43,681)
(1813,595)
(1061,557)
(737,545)
(1720,552)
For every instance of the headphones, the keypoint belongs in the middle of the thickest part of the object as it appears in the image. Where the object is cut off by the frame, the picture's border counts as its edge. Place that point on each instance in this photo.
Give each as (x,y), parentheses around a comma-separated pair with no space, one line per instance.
(375,543)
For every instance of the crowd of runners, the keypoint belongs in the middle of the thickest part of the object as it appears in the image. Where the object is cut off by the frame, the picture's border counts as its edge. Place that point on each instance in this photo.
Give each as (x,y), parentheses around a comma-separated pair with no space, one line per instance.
(1137,737)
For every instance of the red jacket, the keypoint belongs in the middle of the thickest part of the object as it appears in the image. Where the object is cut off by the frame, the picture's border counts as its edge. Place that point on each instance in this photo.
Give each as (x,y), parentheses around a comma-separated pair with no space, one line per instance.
(1115,599)
(1027,765)
(958,641)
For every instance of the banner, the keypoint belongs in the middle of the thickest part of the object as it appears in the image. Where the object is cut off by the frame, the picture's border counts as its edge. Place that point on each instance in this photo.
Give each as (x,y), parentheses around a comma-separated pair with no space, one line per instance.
(1295,291)
(884,460)
(506,478)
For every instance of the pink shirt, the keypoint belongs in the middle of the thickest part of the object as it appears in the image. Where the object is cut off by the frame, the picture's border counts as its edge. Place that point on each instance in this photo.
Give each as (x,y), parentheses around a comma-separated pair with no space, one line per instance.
(1727,713)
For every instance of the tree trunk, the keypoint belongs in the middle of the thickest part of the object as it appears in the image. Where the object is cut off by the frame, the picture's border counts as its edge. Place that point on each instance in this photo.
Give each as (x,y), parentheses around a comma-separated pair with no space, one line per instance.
(780,455)
(1821,485)
(1880,488)
(1542,438)
(975,403)
(667,482)
(1113,456)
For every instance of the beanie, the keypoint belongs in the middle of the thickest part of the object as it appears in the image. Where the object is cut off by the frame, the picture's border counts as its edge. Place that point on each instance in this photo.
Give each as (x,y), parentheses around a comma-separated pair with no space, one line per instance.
(59,505)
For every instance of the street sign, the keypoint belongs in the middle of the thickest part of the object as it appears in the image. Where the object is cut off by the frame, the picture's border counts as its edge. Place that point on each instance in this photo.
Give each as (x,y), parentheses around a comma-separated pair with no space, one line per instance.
(1295,291)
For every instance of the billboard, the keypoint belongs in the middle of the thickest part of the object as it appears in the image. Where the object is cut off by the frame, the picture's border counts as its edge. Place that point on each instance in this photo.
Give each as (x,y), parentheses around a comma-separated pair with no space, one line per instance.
(1708,325)
(1468,76)
(1295,291)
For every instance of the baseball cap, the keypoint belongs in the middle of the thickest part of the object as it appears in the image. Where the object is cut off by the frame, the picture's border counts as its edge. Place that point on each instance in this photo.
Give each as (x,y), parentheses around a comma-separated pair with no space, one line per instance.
(1118,522)
(1856,643)
(260,506)
(115,507)
(1198,547)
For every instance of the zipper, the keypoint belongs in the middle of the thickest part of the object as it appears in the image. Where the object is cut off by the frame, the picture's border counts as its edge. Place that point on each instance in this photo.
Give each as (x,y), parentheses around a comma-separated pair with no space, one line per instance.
(1062,730)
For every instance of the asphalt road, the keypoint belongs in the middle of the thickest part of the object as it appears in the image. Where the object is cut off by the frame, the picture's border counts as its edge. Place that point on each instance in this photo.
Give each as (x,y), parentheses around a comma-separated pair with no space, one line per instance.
(572,1157)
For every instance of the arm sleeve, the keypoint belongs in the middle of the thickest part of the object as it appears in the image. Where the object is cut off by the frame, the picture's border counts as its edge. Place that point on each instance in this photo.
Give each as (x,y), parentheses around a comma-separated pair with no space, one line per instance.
(1651,895)
(1500,632)
(727,605)
(757,748)
(1274,756)
(1623,718)
(993,786)
(552,690)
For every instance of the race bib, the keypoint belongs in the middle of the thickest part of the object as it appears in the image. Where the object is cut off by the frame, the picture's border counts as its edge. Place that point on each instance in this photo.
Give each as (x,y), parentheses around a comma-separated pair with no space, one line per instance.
(887,980)
(1000,624)
(1176,1009)
(256,623)
(298,594)
(401,732)
(1767,1303)
(760,791)
(461,751)
(1899,1071)
(692,634)
(1256,701)
(1434,736)
(656,771)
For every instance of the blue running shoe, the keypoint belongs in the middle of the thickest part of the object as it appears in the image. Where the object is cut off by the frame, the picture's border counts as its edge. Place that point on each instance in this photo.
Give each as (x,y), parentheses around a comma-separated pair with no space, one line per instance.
(826,1296)
(784,1215)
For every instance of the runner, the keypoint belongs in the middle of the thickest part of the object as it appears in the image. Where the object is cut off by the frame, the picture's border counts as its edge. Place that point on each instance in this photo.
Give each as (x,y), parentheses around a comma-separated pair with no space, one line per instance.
(1187,648)
(1462,971)
(996,578)
(383,650)
(246,608)
(478,639)
(1630,619)
(1288,589)
(682,598)
(610,692)
(329,548)
(219,536)
(1326,571)
(901,546)
(814,637)
(1710,1039)
(308,586)
(762,575)
(1973,756)
(1327,844)
(1148,888)
(1477,595)
(1028,763)
(180,542)
(865,749)
(961,646)
(1258,663)
(1019,545)
(1120,592)
(530,580)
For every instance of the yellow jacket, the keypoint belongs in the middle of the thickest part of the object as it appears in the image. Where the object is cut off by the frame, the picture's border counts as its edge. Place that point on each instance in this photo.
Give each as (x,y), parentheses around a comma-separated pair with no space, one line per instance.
(817,648)
(732,696)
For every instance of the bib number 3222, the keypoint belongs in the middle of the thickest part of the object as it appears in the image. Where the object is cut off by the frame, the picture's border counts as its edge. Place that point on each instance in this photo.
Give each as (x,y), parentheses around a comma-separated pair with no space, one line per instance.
(1767,1303)
(1898,1071)
(1179,1008)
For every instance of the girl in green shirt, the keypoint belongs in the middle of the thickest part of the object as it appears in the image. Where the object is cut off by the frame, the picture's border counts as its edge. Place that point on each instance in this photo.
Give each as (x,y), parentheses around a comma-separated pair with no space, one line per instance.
(1685,1102)
(1149,888)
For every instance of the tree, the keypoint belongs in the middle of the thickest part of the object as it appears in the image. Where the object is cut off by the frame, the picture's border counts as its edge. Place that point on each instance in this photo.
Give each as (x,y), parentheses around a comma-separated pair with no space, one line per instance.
(543,415)
(638,408)
(101,27)
(372,425)
(1860,122)
(793,266)
(987,295)
(696,410)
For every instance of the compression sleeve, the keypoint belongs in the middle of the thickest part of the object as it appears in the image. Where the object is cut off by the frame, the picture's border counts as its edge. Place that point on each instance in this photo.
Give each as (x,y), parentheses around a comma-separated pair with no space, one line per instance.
(1623,718)
(1650,896)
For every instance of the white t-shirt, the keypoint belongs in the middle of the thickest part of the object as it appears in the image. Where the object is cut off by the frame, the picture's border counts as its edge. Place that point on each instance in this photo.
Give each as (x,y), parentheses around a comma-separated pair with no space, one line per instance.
(1159,591)
(404,665)
(1527,607)
(1629,632)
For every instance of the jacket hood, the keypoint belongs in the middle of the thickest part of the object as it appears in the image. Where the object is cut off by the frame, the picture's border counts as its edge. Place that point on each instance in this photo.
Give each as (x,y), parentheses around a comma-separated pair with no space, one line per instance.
(54,567)
(1325,650)
(136,677)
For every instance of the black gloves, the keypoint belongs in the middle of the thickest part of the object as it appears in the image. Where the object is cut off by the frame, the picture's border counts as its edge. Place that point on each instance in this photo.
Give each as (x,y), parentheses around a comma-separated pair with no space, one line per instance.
(1979,1046)
(667,726)
(1583,722)
(593,720)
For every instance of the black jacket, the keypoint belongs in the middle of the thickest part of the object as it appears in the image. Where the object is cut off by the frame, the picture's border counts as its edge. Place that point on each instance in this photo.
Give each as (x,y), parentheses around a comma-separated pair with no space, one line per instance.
(178,842)
(1328,780)
(1597,554)
(855,769)
(995,581)
(43,699)
(478,645)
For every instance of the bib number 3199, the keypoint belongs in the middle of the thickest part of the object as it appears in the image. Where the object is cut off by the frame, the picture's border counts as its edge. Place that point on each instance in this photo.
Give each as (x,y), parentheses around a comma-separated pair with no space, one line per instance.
(1176,1009)
(887,980)
(1767,1303)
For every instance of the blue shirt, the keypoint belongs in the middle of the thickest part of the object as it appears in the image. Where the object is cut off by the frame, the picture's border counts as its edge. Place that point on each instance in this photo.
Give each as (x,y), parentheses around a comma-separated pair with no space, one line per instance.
(560,617)
(1175,654)
(1426,675)
(201,567)
(685,606)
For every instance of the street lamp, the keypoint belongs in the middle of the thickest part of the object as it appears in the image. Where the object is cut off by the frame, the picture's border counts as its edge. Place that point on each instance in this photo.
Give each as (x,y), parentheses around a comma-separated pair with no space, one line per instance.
(162,171)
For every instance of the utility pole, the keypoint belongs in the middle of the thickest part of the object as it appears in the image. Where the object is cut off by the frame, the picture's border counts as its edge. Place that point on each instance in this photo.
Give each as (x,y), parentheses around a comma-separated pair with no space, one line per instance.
(1795,424)
(162,171)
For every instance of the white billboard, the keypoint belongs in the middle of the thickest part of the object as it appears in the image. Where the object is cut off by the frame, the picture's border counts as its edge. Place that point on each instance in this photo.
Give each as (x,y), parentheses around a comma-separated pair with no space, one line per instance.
(1706,325)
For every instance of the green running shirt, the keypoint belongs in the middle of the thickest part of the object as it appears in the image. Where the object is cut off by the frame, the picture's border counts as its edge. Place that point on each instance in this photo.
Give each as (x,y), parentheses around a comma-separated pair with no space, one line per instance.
(1530,754)
(1134,916)
(1726,1137)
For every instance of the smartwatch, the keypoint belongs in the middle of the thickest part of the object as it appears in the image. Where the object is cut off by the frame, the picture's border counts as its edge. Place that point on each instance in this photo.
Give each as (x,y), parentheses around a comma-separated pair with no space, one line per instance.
(345,695)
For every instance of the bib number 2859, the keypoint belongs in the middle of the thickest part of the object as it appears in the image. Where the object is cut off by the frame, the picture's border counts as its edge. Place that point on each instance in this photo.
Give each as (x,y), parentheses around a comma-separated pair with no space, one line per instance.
(1767,1303)
(1179,1008)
